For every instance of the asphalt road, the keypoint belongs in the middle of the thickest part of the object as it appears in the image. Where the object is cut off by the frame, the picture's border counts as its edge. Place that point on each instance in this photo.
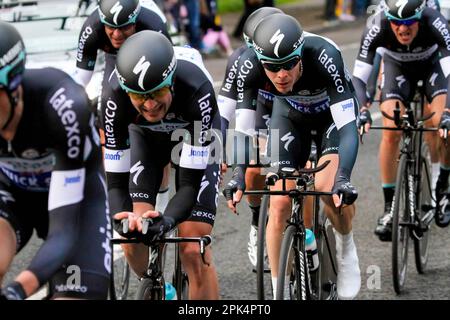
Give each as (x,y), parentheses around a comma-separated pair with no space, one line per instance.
(230,234)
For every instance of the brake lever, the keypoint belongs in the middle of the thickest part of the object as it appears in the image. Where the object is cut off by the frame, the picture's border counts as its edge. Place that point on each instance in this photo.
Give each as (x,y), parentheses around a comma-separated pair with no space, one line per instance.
(445,136)
(361,134)
(125,225)
(146,222)
(202,251)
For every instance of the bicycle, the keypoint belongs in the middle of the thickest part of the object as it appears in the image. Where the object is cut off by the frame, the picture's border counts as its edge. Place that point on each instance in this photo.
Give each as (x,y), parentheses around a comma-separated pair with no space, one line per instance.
(412,210)
(304,285)
(120,274)
(152,284)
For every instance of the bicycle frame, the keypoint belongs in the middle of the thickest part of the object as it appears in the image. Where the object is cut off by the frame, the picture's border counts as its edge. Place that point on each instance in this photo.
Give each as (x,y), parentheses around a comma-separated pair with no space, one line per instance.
(153,286)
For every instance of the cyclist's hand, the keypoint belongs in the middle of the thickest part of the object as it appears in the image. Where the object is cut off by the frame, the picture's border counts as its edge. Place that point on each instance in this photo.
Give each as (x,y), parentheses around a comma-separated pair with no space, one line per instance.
(343,188)
(235,188)
(445,123)
(13,291)
(365,120)
(154,224)
(223,171)
(131,228)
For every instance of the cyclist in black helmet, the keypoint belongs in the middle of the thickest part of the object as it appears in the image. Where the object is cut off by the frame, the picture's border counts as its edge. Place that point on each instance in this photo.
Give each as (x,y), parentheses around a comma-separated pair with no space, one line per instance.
(51,180)
(227,100)
(160,107)
(106,29)
(415,46)
(305,76)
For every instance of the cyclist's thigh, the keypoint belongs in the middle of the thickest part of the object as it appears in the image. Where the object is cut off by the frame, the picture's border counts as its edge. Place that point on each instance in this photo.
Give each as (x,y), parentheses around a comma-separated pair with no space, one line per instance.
(436,91)
(397,83)
(263,113)
(150,153)
(86,274)
(289,145)
(328,140)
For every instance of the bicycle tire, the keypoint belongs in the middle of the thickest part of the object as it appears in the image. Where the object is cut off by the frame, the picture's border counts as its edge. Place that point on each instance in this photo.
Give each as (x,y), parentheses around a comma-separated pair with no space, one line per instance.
(121,276)
(423,205)
(400,234)
(260,248)
(180,278)
(147,290)
(293,247)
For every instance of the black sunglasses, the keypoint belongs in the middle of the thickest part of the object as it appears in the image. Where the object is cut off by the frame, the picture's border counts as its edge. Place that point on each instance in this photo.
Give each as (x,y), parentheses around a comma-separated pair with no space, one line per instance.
(277,66)
(407,22)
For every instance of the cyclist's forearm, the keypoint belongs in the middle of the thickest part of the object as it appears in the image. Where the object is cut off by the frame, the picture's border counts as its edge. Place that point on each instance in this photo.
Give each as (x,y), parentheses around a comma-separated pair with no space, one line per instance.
(348,146)
(118,193)
(361,91)
(180,206)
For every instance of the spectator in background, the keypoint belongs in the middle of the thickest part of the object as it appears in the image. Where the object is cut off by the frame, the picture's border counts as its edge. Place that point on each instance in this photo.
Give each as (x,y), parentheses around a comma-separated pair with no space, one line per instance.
(346,13)
(330,10)
(193,9)
(250,7)
(212,28)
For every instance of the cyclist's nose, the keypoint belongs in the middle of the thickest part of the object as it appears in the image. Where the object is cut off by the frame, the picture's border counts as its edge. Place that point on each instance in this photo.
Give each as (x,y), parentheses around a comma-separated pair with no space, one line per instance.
(150,104)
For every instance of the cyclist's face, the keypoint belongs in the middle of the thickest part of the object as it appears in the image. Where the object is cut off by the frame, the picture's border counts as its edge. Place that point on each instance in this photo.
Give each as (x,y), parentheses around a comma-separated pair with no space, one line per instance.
(5,107)
(117,36)
(153,110)
(405,34)
(284,80)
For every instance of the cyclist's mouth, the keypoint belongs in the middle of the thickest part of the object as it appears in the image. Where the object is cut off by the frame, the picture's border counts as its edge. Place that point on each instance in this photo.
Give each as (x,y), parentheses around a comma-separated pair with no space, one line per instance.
(405,36)
(153,111)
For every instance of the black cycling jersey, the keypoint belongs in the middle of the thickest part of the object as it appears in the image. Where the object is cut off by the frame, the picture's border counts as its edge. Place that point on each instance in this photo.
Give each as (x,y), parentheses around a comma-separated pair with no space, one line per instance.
(432,42)
(51,179)
(93,37)
(322,95)
(183,137)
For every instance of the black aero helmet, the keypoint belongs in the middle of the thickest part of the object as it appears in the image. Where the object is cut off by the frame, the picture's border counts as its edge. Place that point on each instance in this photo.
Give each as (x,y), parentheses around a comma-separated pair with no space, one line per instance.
(145,62)
(278,37)
(12,57)
(118,13)
(253,20)
(404,9)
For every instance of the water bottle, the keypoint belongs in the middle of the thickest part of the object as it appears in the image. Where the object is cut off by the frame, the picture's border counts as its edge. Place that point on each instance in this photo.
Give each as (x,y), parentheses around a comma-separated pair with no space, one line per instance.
(311,250)
(171,293)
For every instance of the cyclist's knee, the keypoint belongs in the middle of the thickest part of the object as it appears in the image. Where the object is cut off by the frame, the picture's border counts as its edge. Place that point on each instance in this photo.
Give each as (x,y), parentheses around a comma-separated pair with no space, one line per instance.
(391,137)
(190,255)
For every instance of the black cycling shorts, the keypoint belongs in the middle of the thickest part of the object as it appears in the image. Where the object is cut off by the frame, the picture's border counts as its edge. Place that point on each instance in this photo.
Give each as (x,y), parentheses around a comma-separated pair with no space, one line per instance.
(292,133)
(399,79)
(150,153)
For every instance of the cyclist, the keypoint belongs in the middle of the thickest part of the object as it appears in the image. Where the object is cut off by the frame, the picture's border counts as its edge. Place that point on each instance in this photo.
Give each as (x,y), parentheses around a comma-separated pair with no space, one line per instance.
(313,102)
(106,29)
(163,97)
(227,100)
(415,45)
(51,180)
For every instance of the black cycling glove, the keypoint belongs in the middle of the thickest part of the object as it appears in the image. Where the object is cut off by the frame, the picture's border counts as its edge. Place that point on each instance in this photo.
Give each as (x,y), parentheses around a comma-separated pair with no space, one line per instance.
(237,182)
(445,120)
(154,228)
(13,291)
(364,117)
(343,186)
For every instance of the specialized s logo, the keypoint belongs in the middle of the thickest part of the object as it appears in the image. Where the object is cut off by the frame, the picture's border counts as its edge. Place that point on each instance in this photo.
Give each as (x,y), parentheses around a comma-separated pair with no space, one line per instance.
(400,80)
(115,10)
(137,168)
(287,139)
(401,5)
(277,38)
(141,68)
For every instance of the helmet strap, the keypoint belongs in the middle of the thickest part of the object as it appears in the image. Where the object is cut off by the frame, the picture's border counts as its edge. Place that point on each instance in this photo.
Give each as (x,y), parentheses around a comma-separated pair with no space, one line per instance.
(13,101)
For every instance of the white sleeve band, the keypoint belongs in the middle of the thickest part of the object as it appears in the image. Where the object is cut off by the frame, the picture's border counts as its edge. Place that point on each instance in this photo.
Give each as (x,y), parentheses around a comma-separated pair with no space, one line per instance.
(66,188)
(117,161)
(246,121)
(194,157)
(343,112)
(82,76)
(227,107)
(445,65)
(362,70)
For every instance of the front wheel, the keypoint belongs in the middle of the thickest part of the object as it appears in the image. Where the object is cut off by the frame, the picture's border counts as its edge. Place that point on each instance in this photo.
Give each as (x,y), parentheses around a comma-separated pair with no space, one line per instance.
(293,267)
(150,289)
(261,248)
(424,210)
(400,232)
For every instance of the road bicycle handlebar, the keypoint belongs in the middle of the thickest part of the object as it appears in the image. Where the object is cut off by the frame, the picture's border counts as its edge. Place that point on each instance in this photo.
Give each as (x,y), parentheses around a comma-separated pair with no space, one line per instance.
(203,242)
